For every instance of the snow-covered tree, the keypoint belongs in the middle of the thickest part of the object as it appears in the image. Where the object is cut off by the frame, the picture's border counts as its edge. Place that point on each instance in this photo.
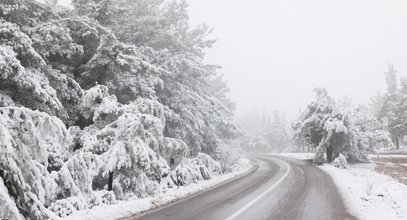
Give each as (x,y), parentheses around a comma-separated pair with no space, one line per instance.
(376,103)
(166,63)
(394,105)
(31,145)
(113,95)
(333,129)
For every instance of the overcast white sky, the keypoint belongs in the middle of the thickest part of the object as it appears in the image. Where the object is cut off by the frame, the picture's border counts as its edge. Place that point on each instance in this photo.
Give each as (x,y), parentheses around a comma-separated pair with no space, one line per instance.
(274,52)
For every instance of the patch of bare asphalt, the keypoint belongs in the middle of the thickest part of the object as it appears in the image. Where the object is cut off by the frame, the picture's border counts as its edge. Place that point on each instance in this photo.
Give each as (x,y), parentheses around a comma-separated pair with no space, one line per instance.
(392,166)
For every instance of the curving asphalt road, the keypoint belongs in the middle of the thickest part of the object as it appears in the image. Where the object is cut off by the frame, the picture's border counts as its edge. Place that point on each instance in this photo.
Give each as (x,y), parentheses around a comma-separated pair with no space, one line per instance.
(279,188)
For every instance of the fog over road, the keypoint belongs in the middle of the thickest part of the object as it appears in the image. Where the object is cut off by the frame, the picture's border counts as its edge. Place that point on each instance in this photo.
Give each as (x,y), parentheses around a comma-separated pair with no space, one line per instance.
(279,188)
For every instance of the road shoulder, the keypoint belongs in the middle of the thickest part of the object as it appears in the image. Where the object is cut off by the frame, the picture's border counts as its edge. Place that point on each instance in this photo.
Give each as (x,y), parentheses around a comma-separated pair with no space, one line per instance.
(138,207)
(368,194)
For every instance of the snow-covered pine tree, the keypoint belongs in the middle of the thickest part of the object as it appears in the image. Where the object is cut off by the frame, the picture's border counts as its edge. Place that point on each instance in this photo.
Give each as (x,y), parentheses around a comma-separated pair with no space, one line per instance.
(177,75)
(32,144)
(132,100)
(333,129)
(391,110)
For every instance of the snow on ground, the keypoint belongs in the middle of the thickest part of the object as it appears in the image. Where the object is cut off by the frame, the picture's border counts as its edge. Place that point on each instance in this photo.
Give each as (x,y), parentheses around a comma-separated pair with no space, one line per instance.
(368,194)
(301,156)
(401,150)
(371,156)
(125,209)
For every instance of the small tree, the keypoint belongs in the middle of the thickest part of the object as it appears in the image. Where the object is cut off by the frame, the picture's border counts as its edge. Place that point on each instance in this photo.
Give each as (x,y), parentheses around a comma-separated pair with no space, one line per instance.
(333,129)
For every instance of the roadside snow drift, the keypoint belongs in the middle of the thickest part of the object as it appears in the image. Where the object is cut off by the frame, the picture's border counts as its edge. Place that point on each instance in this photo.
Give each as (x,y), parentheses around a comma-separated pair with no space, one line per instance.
(370,195)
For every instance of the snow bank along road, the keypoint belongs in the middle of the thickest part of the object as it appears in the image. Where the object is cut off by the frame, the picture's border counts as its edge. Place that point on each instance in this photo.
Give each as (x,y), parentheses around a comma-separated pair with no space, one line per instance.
(280,188)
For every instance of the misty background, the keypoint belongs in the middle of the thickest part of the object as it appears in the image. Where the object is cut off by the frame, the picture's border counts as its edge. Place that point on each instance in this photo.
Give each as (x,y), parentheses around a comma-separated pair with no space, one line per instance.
(273,53)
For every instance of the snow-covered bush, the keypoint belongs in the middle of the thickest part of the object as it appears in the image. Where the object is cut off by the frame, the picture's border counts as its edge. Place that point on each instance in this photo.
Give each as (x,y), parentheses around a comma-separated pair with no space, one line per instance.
(380,140)
(31,143)
(213,166)
(134,166)
(75,177)
(189,172)
(202,167)
(340,162)
(174,150)
(45,137)
(102,197)
(229,155)
(8,208)
(65,207)
(125,187)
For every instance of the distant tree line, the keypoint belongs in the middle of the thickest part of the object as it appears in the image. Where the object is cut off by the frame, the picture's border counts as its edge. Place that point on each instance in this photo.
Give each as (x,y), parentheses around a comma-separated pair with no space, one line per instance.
(265,132)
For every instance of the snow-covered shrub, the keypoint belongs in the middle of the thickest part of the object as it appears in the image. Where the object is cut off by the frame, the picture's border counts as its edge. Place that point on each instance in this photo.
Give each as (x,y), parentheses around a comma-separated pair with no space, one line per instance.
(202,167)
(229,155)
(125,187)
(8,208)
(102,197)
(213,166)
(380,140)
(65,207)
(187,172)
(174,150)
(340,162)
(76,175)
(30,143)
(45,137)
(132,162)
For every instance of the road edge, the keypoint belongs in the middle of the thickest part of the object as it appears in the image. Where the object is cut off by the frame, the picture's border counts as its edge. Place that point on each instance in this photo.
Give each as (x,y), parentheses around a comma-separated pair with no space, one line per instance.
(182,199)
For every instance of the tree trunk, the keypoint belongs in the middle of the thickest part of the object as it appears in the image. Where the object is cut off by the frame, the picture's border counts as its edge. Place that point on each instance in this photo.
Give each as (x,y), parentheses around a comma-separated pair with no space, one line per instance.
(397,143)
(329,154)
(110,183)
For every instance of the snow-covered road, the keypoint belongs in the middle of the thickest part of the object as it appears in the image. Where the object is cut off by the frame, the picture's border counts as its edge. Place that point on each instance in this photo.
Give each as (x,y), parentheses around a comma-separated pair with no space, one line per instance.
(280,188)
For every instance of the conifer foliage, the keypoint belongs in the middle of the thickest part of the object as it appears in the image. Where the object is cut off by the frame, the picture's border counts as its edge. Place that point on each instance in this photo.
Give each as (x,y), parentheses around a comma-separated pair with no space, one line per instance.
(334,129)
(102,102)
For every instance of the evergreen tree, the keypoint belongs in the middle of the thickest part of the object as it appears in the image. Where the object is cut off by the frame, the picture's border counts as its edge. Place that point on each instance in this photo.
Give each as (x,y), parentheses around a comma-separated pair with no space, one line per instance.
(333,129)
(113,95)
(392,109)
